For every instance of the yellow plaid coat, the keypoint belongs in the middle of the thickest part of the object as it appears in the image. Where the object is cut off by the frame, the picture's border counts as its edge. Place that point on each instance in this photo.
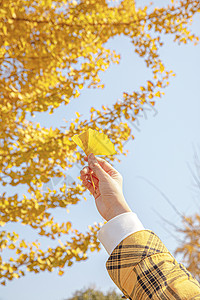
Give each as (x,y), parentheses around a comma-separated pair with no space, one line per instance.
(143,268)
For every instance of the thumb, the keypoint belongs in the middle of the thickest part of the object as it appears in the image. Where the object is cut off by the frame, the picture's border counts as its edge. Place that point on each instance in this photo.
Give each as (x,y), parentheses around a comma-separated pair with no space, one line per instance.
(95,166)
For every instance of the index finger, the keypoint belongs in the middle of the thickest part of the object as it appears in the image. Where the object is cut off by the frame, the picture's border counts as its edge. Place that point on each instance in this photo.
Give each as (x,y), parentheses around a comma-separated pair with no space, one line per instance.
(105,165)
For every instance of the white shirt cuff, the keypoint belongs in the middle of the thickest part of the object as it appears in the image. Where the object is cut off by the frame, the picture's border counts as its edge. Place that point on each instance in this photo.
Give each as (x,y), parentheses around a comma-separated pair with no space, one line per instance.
(117,229)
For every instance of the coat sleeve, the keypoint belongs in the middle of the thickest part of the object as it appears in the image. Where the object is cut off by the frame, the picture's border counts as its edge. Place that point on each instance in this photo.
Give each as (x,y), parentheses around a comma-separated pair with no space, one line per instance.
(143,268)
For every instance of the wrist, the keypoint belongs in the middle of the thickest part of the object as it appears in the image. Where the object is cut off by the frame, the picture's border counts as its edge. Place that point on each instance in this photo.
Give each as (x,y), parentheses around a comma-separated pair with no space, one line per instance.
(117,208)
(117,212)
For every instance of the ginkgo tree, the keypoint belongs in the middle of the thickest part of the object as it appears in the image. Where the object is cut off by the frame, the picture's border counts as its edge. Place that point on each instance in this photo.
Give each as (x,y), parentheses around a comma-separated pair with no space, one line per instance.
(49,52)
(189,244)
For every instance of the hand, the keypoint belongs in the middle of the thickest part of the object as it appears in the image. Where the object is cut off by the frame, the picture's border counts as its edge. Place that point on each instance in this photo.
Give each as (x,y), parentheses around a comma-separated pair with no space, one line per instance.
(108,192)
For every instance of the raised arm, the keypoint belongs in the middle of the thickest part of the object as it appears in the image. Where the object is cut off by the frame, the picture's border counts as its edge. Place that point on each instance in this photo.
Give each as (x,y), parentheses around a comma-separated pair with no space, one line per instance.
(139,263)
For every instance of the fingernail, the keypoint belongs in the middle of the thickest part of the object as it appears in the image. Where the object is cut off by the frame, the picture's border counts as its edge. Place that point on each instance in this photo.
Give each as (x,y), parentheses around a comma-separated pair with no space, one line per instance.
(91,164)
(91,156)
(91,161)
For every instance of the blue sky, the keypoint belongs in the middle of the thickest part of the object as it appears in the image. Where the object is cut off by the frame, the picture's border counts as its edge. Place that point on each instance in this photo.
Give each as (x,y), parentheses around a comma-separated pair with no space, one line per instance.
(162,148)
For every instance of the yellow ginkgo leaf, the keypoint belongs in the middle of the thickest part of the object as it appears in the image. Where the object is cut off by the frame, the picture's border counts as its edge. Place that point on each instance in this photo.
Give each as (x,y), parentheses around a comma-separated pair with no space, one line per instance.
(92,141)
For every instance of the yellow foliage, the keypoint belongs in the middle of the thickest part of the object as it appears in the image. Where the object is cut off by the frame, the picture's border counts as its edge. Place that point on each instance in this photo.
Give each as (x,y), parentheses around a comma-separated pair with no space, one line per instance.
(50,51)
(190,245)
